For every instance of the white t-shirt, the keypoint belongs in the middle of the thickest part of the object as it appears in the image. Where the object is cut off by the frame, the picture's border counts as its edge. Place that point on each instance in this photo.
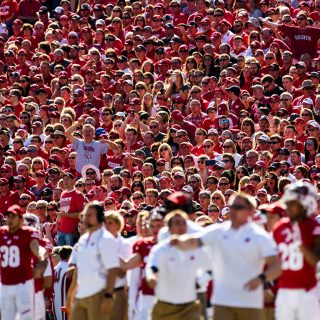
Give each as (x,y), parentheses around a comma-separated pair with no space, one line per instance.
(238,255)
(88,153)
(177,272)
(94,254)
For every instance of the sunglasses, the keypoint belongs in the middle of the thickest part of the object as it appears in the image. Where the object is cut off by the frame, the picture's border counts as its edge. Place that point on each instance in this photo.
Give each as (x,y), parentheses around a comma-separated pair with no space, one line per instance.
(239,207)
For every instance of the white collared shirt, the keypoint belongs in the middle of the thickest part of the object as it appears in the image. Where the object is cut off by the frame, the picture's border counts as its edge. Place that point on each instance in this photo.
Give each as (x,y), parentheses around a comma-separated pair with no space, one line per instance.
(238,255)
(124,251)
(94,255)
(177,272)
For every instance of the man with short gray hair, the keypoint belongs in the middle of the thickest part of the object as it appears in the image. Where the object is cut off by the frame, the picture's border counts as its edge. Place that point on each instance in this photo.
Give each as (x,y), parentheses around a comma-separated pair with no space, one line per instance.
(88,150)
(197,116)
(286,100)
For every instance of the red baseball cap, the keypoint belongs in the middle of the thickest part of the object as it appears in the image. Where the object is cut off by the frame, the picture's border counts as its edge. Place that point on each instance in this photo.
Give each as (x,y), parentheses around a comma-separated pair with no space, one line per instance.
(63,74)
(4,180)
(298,120)
(177,115)
(179,198)
(41,173)
(126,191)
(15,209)
(132,212)
(6,167)
(274,208)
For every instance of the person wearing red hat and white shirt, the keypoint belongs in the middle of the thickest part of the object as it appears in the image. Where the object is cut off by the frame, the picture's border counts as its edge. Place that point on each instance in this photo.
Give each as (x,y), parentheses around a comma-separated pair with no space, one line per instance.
(182,200)
(167,264)
(19,245)
(224,28)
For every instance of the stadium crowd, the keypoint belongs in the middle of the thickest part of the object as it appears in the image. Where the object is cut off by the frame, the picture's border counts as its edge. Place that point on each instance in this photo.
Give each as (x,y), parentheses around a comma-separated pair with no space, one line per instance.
(151,118)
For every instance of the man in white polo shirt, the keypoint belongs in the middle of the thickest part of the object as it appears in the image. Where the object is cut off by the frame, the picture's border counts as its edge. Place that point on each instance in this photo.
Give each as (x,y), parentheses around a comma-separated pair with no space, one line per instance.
(114,223)
(167,266)
(96,259)
(240,251)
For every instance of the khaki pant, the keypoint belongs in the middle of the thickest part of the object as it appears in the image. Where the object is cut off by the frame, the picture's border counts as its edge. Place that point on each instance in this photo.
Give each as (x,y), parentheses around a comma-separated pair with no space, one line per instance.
(202,297)
(167,311)
(268,313)
(88,308)
(120,305)
(234,313)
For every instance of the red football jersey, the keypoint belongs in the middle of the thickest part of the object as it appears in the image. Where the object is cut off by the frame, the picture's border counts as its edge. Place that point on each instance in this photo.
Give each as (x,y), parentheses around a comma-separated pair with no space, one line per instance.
(16,256)
(297,273)
(143,247)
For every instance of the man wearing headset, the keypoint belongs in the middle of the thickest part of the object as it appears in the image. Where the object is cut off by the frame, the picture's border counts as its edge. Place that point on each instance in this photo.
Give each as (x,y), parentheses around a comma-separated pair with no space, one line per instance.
(96,259)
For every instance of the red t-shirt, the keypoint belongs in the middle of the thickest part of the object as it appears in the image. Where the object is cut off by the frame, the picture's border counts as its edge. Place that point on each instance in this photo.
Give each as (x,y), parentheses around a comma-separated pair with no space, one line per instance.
(143,247)
(7,8)
(3,201)
(97,103)
(23,69)
(302,40)
(29,8)
(297,273)
(113,162)
(208,124)
(16,256)
(70,202)
(197,150)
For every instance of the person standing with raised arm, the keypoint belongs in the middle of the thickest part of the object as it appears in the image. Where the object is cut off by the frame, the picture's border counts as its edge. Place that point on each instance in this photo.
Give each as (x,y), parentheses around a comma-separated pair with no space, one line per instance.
(88,150)
(240,249)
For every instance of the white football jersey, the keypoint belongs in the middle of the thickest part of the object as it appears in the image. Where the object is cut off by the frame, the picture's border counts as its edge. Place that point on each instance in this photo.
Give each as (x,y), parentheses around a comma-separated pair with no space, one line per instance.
(60,289)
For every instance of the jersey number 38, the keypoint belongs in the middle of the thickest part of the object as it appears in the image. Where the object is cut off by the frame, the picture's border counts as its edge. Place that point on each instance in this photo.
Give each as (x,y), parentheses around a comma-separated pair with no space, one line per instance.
(10,256)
